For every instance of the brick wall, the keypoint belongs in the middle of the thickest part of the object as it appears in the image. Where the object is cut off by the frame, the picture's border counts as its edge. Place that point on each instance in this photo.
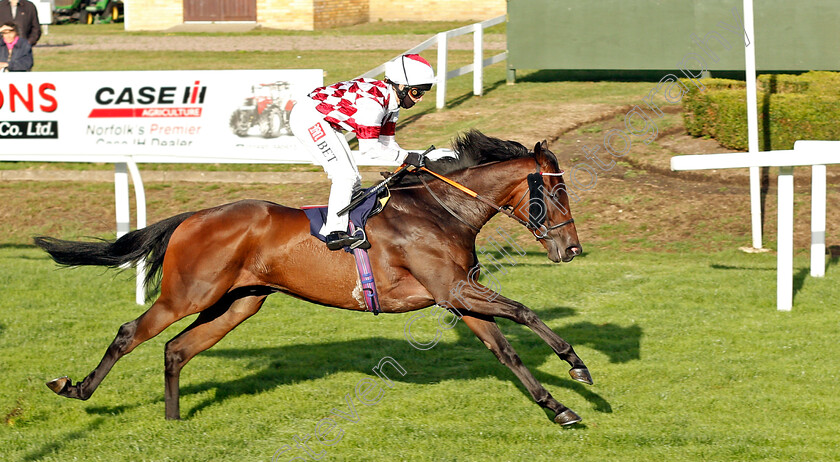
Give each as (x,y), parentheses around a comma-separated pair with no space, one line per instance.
(153,14)
(436,10)
(337,13)
(286,14)
(322,14)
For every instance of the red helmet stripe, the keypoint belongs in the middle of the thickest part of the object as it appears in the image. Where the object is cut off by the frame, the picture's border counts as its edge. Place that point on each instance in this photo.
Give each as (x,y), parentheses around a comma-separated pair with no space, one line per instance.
(418,58)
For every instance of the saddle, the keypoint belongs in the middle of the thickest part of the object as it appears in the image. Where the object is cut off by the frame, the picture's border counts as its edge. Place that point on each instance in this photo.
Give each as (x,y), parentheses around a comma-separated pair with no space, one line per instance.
(359,215)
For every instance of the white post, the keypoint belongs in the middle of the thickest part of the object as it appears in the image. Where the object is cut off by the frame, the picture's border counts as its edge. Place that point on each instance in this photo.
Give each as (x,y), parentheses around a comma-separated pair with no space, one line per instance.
(755,206)
(752,123)
(127,25)
(478,60)
(440,92)
(140,198)
(818,220)
(784,265)
(121,198)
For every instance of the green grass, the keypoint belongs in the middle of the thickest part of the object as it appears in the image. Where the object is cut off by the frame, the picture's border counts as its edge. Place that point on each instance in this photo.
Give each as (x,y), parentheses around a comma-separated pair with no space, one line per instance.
(690,358)
(691,361)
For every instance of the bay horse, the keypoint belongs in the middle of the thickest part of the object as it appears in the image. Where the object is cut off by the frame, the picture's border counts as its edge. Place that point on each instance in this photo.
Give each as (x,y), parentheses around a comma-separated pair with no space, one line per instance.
(224,261)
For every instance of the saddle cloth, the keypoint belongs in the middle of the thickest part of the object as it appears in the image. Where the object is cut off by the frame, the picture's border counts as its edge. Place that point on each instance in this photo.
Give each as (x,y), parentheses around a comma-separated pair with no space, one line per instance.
(317,214)
(358,217)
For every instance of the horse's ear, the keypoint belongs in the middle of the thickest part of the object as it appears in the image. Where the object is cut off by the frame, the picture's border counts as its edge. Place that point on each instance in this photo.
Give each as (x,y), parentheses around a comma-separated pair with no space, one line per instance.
(544,156)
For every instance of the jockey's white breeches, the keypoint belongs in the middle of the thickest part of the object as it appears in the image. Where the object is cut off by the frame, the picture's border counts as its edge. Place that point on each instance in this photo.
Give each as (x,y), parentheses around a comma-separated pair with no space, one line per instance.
(330,150)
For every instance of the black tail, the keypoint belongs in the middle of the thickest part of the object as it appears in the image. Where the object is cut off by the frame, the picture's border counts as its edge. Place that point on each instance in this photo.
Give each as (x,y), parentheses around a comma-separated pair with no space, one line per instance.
(149,242)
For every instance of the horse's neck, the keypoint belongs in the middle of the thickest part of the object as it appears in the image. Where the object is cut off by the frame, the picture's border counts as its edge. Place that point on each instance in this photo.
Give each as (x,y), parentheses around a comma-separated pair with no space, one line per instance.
(498,181)
(495,182)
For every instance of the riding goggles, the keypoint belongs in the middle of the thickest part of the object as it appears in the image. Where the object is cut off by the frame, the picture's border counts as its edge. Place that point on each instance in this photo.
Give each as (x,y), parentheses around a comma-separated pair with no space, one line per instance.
(418,91)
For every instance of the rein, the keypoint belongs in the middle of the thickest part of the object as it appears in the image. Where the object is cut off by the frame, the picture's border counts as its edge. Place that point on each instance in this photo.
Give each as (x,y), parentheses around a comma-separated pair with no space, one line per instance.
(535,185)
(446,207)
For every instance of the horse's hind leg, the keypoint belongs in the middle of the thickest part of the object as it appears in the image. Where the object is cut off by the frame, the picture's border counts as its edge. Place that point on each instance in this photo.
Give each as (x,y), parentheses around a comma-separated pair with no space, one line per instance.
(157,318)
(487,331)
(209,328)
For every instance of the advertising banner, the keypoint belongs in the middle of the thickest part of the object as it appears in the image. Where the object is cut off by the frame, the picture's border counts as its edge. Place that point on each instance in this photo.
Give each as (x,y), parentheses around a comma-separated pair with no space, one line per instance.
(153,116)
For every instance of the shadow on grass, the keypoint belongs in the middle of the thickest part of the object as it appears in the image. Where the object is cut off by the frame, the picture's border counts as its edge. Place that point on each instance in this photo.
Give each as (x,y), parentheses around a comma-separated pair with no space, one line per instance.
(833,261)
(495,261)
(451,103)
(718,266)
(465,358)
(540,254)
(56,445)
(609,75)
(17,246)
(798,278)
(457,101)
(833,256)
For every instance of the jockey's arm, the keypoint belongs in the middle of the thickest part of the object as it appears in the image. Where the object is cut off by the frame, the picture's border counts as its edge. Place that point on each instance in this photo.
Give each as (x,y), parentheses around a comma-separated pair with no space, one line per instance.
(382,149)
(373,143)
(387,150)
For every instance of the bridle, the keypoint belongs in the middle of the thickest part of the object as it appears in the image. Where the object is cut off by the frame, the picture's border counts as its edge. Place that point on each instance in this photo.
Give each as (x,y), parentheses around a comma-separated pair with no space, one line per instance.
(537,219)
(536,189)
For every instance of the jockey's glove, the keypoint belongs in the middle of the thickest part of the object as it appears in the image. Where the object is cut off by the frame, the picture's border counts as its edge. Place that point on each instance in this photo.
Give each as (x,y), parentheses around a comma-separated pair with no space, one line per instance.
(415,159)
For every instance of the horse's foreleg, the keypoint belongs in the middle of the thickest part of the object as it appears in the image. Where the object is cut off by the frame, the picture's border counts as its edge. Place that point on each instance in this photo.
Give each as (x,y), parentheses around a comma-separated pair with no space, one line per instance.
(209,328)
(481,300)
(157,318)
(488,332)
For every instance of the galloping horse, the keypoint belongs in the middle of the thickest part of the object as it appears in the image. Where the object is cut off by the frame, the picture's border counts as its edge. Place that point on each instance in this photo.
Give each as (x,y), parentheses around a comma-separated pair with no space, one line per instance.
(223,262)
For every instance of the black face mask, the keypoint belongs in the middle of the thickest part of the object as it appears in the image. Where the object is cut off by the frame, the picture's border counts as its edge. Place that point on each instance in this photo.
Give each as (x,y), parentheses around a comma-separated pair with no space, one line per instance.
(404,95)
(405,100)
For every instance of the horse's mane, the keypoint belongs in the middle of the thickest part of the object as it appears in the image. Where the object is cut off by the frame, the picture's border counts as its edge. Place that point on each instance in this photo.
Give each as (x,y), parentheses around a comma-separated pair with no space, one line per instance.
(474,148)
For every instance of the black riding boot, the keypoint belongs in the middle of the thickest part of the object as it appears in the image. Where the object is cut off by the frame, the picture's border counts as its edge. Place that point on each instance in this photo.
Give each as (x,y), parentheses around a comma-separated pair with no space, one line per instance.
(339,239)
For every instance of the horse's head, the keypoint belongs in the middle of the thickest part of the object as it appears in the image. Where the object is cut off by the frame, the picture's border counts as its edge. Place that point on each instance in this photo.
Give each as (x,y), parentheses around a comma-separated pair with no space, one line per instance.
(499,168)
(547,210)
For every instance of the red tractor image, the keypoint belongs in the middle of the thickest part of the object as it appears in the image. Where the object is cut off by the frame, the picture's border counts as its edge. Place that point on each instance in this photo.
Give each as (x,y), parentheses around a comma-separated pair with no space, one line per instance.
(268,106)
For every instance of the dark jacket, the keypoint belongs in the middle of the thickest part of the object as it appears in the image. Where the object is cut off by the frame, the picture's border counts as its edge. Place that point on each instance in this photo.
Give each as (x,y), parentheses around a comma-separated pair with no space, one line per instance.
(29,27)
(21,55)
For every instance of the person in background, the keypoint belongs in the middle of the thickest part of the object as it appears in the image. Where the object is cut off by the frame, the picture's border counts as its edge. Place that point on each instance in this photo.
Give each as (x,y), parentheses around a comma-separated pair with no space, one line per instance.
(25,15)
(15,52)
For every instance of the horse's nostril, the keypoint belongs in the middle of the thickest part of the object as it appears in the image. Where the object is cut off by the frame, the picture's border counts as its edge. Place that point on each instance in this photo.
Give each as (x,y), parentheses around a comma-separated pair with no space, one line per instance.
(574,250)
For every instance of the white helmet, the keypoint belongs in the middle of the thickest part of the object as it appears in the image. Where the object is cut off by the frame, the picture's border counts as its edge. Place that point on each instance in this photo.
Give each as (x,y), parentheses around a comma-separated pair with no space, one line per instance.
(411,70)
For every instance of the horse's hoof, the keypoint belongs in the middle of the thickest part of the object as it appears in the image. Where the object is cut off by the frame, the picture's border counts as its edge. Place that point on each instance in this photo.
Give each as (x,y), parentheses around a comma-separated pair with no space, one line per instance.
(567,417)
(58,385)
(581,374)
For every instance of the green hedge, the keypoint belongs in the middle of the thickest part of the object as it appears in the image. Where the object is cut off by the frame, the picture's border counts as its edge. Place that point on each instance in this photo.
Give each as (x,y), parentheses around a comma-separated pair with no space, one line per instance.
(803,106)
(817,83)
(802,117)
(697,115)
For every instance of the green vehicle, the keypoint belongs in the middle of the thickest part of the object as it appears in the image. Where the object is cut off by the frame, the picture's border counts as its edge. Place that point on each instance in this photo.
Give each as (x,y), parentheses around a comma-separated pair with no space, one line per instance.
(89,12)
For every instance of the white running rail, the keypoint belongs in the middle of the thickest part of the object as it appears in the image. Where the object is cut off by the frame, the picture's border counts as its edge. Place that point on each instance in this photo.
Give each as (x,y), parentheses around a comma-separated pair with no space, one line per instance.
(443,74)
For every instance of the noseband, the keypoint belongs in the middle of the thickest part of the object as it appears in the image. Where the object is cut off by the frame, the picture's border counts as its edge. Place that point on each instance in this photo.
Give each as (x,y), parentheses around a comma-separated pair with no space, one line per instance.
(536,188)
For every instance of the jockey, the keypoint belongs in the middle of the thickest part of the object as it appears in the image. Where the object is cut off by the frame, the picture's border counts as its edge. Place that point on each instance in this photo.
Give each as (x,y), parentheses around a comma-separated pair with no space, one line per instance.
(369,108)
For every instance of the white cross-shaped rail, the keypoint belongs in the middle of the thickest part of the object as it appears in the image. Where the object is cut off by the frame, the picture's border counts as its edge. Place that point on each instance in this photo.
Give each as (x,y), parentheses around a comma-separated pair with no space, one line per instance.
(816,154)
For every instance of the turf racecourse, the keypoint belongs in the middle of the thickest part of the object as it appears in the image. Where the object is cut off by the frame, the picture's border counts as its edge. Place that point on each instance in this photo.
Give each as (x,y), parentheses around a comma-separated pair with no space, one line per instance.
(691,361)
